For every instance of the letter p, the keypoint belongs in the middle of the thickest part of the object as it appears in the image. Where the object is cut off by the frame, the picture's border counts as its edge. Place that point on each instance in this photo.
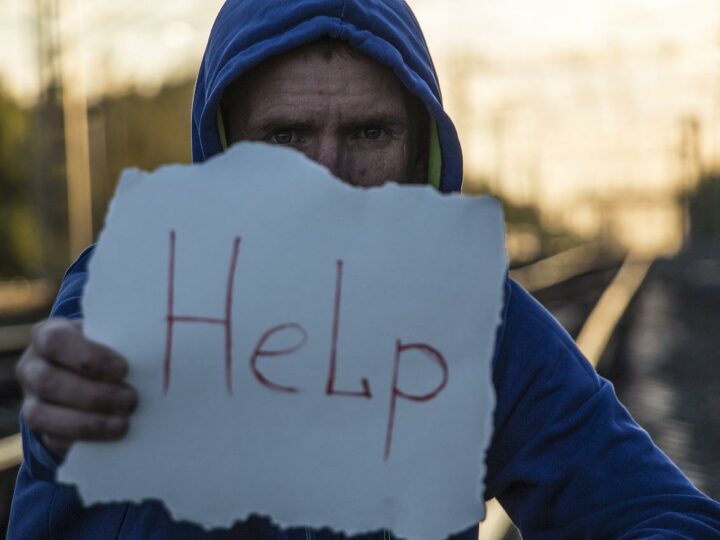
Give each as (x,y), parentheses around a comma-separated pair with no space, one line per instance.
(435,356)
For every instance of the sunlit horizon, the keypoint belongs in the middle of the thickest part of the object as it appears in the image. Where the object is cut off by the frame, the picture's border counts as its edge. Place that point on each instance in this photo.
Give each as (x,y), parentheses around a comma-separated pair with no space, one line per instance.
(136,43)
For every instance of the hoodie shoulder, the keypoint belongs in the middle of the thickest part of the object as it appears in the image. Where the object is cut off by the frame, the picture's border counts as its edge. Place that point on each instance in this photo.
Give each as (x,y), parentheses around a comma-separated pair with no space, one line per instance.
(67,303)
(566,457)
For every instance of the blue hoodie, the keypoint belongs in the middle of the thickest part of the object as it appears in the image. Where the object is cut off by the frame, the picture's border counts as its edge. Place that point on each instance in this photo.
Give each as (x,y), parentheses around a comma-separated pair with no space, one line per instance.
(566,459)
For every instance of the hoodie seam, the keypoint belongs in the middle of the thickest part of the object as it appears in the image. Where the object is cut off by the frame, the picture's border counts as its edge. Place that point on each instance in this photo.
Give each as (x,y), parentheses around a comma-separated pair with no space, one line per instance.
(50,512)
(343,26)
(122,522)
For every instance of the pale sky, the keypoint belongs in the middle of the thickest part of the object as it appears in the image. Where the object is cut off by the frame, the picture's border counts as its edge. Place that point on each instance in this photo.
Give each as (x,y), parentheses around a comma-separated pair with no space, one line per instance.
(141,42)
(539,27)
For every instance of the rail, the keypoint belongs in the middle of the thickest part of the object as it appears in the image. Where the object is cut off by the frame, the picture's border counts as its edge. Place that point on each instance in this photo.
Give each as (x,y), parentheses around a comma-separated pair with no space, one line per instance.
(10,451)
(25,295)
(557,268)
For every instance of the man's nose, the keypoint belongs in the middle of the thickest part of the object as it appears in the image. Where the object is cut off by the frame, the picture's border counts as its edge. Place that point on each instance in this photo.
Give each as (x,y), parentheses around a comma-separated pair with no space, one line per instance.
(328,152)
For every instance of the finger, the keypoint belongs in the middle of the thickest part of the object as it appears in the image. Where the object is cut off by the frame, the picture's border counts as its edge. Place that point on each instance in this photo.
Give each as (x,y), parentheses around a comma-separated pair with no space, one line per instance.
(77,323)
(63,342)
(52,420)
(57,444)
(60,386)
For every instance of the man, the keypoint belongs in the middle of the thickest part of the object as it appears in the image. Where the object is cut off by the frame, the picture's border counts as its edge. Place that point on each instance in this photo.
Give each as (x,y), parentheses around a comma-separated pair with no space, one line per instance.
(351,84)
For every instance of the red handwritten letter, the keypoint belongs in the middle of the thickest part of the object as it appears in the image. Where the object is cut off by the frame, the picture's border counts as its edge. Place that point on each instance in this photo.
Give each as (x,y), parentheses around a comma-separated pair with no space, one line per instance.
(259,352)
(330,388)
(431,353)
(225,322)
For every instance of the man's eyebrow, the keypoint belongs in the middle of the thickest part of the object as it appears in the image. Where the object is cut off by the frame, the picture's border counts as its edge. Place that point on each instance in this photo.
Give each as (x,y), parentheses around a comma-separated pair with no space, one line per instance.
(272,122)
(282,122)
(373,118)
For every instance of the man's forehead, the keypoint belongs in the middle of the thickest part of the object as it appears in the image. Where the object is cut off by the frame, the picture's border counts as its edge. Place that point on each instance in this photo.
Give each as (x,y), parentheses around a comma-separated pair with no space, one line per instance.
(336,54)
(286,103)
(292,76)
(282,115)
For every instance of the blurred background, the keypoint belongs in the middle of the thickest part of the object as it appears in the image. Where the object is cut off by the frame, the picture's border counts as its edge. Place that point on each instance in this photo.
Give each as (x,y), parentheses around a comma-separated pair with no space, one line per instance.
(597,122)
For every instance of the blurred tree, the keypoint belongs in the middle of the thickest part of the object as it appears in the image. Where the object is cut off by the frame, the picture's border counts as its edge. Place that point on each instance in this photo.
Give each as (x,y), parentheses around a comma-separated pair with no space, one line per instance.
(137,130)
(127,130)
(19,246)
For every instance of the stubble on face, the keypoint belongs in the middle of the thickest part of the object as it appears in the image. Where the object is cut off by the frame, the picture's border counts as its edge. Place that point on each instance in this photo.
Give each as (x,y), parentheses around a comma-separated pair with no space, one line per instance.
(337,106)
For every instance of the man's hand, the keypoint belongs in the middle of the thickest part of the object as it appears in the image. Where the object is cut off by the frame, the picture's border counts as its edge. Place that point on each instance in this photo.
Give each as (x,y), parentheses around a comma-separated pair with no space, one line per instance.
(73,388)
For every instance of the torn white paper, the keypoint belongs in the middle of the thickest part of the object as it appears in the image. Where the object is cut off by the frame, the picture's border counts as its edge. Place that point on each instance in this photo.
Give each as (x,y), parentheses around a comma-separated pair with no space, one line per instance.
(303,349)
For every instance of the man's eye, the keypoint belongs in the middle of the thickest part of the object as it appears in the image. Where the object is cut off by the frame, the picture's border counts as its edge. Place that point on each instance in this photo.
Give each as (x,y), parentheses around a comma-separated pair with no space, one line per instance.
(372,133)
(282,137)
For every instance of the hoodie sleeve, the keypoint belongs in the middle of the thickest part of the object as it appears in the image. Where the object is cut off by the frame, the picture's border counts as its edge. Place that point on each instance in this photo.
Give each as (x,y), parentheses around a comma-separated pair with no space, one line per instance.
(35,487)
(567,460)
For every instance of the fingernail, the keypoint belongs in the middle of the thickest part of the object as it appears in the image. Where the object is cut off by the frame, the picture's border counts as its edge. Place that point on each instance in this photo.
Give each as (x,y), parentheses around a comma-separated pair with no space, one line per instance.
(117,424)
(121,369)
(125,401)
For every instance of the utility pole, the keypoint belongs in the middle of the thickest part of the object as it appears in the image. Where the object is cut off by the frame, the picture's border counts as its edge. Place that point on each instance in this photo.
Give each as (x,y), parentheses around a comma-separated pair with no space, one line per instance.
(77,146)
(690,167)
(48,163)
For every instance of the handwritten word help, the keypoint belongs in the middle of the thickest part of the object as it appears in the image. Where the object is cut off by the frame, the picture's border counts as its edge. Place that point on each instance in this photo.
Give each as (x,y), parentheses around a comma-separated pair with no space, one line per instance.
(262,350)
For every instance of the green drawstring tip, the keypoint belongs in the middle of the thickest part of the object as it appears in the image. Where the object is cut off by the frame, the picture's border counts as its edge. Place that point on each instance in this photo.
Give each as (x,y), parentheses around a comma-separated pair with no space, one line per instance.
(221,130)
(434,156)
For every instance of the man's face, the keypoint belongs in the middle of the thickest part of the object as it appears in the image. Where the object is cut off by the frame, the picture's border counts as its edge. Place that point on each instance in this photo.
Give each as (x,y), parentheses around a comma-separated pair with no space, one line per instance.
(339,108)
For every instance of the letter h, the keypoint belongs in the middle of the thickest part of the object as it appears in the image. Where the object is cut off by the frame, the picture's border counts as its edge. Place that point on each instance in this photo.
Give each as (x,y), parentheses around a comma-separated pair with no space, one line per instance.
(225,322)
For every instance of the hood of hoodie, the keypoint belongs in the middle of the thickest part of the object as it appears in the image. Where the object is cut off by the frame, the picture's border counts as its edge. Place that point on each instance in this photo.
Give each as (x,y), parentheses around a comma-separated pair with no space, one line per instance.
(246,32)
